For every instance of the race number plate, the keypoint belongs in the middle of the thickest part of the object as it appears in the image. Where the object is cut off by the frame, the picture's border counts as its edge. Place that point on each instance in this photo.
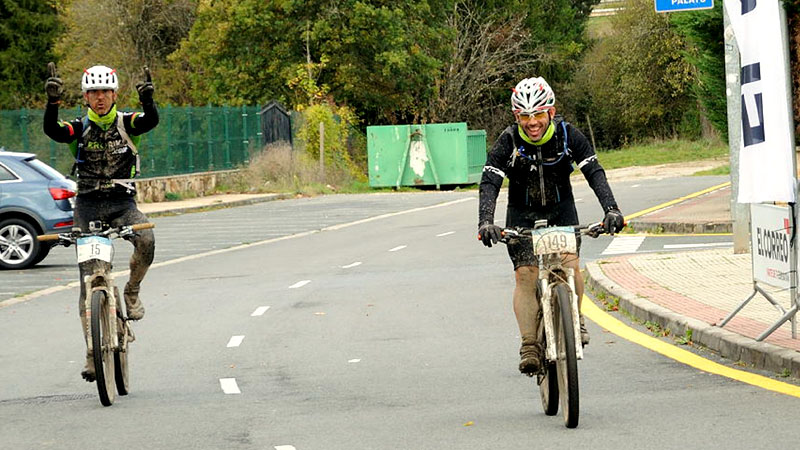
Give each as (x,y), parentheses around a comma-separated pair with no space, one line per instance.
(95,247)
(554,240)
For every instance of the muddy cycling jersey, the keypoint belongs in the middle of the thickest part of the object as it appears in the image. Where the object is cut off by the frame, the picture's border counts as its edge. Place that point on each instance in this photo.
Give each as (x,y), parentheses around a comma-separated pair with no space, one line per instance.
(105,148)
(538,175)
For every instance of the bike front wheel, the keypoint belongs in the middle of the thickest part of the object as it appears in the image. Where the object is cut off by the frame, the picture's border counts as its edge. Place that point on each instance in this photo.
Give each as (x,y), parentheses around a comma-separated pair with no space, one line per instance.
(102,348)
(548,389)
(567,362)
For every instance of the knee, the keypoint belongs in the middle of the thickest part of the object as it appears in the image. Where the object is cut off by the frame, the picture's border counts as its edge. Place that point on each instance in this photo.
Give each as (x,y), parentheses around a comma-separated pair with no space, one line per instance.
(526,274)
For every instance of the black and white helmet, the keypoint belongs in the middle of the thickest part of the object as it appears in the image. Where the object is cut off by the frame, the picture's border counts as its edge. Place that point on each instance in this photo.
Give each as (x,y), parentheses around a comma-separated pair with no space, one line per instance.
(532,95)
(99,77)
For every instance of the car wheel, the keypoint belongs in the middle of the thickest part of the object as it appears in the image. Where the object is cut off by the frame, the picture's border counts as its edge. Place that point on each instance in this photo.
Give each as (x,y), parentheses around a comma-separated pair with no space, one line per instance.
(44,250)
(18,245)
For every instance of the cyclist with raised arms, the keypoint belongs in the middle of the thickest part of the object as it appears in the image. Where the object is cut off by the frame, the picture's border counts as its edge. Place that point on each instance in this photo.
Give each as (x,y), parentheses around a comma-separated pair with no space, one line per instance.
(536,154)
(104,144)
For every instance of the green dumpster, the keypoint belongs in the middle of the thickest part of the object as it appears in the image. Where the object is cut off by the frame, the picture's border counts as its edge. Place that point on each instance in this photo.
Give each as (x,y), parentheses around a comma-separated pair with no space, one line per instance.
(425,155)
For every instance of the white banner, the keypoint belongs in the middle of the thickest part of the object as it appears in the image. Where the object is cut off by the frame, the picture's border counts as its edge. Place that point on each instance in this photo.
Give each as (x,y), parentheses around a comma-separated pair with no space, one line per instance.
(770,236)
(766,149)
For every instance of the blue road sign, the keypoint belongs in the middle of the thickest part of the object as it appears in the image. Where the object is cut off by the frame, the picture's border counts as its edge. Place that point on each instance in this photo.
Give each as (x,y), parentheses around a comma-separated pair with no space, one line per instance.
(682,5)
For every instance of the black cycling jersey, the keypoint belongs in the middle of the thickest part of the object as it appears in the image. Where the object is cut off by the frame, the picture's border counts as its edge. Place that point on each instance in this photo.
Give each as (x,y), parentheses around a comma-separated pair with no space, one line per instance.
(103,157)
(539,175)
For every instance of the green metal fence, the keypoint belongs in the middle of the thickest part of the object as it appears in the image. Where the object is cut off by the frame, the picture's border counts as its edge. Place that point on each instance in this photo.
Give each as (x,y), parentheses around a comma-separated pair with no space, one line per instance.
(186,140)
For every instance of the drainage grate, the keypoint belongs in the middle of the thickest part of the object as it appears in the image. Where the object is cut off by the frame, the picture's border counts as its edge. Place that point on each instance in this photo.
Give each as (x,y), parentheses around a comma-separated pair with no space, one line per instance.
(46,399)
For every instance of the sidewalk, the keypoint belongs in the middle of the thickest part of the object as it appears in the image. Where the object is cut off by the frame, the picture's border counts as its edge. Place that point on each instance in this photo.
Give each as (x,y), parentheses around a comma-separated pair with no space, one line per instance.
(208,202)
(696,290)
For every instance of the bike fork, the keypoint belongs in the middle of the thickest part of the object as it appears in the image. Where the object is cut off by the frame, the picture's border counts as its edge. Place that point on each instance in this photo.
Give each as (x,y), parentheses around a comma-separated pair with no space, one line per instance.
(576,319)
(112,311)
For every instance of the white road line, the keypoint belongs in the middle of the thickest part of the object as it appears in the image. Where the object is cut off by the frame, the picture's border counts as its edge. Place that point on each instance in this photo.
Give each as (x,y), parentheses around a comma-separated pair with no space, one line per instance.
(285,447)
(357,263)
(354,360)
(259,311)
(235,341)
(445,234)
(622,245)
(122,273)
(229,386)
(635,186)
(299,284)
(399,247)
(714,244)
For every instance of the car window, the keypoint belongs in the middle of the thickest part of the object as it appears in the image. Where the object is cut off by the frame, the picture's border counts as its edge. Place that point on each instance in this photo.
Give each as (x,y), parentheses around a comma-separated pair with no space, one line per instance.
(45,170)
(5,174)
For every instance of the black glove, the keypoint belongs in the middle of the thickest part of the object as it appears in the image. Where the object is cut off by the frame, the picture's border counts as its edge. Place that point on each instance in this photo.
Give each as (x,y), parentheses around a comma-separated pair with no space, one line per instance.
(489,234)
(54,87)
(146,88)
(614,221)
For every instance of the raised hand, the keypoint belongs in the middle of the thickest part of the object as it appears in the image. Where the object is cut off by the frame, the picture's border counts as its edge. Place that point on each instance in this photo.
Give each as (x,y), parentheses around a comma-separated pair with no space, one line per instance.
(145,87)
(54,86)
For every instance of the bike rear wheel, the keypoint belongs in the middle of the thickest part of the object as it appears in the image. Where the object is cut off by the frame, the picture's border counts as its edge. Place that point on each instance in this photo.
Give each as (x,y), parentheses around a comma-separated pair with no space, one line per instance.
(121,364)
(567,364)
(102,350)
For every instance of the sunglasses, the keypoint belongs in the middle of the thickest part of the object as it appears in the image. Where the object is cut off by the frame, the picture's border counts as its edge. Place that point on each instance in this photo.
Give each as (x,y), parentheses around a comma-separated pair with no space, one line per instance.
(538,115)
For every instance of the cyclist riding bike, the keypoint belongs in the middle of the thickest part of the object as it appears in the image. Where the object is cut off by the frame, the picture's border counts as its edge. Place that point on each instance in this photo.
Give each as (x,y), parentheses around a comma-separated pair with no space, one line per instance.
(536,154)
(104,145)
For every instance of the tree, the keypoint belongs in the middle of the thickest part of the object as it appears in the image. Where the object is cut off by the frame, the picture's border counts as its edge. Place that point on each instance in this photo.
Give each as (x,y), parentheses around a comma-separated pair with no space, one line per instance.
(126,35)
(635,83)
(27,32)
(703,31)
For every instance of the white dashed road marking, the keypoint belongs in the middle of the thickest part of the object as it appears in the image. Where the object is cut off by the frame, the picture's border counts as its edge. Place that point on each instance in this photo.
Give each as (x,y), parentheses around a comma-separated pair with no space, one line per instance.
(229,386)
(445,234)
(713,244)
(399,247)
(285,447)
(259,311)
(299,284)
(235,341)
(357,263)
(622,245)
(354,360)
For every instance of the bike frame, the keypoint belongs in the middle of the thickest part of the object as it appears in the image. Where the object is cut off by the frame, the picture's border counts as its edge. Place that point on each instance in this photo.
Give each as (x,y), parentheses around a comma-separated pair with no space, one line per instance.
(551,273)
(101,280)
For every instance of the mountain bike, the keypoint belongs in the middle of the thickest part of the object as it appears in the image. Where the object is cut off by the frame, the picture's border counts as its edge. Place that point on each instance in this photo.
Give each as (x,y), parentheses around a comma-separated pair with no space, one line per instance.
(559,324)
(109,332)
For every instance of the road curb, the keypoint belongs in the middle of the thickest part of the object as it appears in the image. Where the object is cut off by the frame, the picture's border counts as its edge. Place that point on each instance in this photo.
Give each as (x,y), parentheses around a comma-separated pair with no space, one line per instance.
(219,205)
(729,345)
(681,228)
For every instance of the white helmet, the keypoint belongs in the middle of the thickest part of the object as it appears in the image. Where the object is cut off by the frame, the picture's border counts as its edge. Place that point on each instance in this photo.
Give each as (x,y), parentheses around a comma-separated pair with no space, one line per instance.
(99,77)
(531,95)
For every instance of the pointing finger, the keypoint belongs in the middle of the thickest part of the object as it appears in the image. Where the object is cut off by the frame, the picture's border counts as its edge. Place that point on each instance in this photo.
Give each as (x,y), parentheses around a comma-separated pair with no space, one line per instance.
(51,69)
(147,77)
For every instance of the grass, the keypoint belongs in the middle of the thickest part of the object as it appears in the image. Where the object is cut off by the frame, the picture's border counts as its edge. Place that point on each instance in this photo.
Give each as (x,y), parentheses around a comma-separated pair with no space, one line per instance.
(663,152)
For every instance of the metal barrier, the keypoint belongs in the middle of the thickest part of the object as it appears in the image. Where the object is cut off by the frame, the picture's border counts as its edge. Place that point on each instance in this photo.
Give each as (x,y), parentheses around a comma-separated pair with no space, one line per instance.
(188,139)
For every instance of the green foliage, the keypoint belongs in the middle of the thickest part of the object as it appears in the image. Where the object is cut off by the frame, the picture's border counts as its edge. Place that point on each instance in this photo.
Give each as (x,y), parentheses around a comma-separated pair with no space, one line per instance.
(703,31)
(336,122)
(125,36)
(28,30)
(643,54)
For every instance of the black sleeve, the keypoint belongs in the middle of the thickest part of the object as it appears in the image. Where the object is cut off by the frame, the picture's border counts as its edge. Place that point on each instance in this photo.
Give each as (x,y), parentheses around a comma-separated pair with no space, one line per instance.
(584,156)
(140,123)
(60,131)
(492,177)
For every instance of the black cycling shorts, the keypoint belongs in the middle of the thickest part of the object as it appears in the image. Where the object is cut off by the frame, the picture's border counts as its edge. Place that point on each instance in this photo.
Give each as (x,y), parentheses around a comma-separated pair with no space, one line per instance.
(521,251)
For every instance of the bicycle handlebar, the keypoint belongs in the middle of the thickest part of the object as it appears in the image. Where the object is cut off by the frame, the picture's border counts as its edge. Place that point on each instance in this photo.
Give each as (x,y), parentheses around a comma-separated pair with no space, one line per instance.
(71,237)
(593,230)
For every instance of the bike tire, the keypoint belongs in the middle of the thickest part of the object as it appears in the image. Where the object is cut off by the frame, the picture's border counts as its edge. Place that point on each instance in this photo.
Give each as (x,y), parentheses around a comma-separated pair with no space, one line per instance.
(548,389)
(102,348)
(567,363)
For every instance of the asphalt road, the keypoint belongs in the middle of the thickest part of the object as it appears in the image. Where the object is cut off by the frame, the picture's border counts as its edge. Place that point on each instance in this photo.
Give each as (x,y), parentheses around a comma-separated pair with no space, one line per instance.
(394,333)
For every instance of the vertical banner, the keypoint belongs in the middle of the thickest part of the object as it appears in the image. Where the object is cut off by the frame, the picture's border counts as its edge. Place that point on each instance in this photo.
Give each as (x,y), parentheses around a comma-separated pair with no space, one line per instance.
(766,161)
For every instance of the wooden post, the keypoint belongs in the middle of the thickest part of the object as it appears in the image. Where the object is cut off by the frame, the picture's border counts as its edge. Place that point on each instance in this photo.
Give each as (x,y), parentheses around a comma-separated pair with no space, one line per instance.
(322,151)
